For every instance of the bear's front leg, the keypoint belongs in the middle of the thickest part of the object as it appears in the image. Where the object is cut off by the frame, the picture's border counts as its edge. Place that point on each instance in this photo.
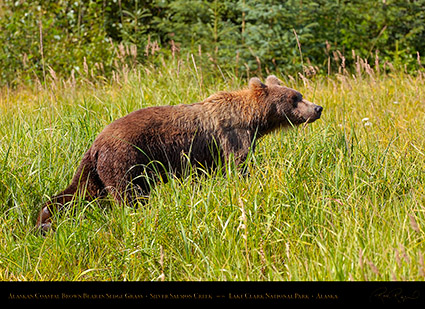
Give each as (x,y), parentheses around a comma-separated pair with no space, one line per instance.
(238,144)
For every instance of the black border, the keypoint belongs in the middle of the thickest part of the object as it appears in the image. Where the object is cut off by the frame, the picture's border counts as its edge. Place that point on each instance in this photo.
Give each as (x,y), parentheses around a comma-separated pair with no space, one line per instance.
(379,293)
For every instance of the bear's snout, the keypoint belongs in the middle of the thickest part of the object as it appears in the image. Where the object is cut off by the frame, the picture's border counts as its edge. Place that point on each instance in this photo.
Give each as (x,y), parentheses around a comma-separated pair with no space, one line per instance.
(317,113)
(318,109)
(309,111)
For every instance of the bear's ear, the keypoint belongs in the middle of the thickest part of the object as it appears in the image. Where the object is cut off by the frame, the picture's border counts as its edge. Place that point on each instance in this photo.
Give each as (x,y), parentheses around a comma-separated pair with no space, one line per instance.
(273,80)
(255,84)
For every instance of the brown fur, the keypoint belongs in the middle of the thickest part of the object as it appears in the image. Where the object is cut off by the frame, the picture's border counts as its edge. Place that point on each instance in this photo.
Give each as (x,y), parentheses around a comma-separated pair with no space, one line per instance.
(154,140)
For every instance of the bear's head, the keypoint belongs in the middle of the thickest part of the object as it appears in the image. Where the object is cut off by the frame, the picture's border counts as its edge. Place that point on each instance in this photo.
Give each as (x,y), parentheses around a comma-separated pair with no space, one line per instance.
(287,106)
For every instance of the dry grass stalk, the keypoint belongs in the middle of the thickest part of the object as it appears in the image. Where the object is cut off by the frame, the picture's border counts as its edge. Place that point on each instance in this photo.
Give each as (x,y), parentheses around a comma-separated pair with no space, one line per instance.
(243,225)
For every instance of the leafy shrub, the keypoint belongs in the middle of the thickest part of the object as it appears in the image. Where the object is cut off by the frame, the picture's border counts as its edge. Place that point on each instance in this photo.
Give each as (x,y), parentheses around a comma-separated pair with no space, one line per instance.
(87,37)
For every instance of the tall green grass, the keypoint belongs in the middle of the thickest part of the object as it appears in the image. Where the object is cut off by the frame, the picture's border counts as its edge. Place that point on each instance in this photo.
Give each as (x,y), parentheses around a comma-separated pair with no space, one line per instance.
(340,199)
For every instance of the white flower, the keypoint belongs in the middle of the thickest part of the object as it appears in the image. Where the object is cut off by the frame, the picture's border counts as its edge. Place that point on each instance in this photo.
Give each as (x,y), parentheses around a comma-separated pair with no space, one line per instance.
(366,122)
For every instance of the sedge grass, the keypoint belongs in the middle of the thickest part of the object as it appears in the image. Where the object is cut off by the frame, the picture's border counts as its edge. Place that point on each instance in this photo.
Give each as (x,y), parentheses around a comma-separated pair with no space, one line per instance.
(340,199)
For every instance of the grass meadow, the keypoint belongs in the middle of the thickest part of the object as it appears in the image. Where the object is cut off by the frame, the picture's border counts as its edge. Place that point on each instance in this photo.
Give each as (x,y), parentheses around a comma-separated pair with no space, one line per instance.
(340,199)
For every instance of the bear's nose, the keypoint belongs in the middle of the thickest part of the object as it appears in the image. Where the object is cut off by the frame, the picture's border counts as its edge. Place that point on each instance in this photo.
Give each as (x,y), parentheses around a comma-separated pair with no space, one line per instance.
(318,109)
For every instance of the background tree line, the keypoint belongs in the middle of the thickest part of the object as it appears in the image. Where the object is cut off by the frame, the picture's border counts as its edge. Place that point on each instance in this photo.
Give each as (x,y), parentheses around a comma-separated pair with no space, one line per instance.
(95,37)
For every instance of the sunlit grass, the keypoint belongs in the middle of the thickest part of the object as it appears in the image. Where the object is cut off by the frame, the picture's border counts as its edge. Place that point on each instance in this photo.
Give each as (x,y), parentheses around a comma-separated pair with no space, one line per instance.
(340,199)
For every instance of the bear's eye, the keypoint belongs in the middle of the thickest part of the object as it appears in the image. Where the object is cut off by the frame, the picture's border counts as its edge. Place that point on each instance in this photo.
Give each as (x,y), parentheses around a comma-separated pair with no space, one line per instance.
(295,99)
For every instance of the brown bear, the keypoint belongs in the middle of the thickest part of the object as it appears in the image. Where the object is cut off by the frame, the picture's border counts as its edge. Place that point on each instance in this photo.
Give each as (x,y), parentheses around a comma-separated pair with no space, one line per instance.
(129,155)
